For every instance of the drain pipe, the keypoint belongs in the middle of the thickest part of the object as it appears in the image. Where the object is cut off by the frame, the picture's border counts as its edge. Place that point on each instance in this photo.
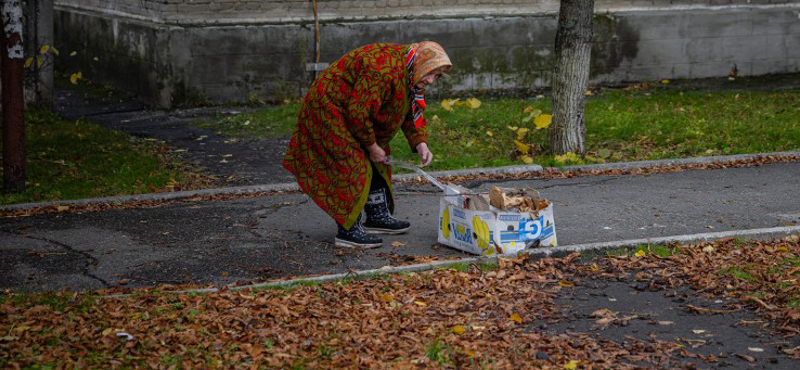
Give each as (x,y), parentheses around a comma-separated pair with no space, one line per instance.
(316,67)
(316,32)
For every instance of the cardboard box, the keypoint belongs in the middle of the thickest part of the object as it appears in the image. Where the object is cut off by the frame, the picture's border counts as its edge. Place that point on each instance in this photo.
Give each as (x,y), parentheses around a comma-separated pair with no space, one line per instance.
(486,230)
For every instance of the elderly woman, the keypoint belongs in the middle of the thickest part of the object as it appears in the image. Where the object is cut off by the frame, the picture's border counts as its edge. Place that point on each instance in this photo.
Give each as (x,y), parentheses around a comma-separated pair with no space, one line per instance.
(350,114)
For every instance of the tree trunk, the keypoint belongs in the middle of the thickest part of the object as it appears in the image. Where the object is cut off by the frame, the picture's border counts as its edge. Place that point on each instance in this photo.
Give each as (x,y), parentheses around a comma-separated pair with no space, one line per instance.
(571,75)
(12,98)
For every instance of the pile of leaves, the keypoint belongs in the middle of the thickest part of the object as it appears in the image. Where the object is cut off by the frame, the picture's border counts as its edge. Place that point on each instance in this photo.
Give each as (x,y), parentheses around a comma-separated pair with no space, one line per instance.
(474,318)
(764,275)
(443,319)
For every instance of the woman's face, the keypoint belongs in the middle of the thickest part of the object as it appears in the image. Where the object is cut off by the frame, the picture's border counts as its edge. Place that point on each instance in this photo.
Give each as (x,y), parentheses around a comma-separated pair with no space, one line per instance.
(431,77)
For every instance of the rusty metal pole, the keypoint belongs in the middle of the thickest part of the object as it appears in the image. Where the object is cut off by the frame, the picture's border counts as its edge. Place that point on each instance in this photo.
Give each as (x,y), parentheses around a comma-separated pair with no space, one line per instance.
(13,99)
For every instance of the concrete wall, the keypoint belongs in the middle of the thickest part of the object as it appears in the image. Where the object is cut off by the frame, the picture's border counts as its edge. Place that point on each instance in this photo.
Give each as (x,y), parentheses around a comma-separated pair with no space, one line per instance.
(180,52)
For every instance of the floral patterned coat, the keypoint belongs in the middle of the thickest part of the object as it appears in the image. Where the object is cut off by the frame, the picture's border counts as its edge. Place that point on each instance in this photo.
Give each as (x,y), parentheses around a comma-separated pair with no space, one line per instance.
(361,99)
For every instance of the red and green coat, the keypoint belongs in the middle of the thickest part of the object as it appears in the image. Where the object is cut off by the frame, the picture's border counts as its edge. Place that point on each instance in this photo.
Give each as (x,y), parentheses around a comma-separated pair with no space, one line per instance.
(361,99)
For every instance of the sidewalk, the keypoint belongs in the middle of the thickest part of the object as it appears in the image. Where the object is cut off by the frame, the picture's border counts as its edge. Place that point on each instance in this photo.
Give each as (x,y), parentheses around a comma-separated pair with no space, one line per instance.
(285,235)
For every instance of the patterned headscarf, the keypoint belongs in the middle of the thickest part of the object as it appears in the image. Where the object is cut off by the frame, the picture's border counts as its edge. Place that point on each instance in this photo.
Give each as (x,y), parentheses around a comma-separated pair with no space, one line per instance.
(421,59)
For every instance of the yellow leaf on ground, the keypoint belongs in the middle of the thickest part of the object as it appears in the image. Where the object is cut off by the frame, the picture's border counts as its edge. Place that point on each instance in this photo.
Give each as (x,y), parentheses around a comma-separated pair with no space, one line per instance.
(515,318)
(387,298)
(542,121)
(573,364)
(527,109)
(73,78)
(62,208)
(589,92)
(420,303)
(526,159)
(521,133)
(107,331)
(522,147)
(489,133)
(448,104)
(473,103)
(513,128)
(96,59)
(640,253)
(458,330)
(74,53)
(664,82)
(565,283)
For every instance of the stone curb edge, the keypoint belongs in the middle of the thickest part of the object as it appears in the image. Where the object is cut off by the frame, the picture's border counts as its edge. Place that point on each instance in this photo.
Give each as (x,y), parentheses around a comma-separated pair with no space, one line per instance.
(762,233)
(288,187)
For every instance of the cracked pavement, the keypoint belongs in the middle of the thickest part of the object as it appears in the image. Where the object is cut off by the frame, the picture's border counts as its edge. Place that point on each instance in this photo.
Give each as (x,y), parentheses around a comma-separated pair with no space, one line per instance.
(287,235)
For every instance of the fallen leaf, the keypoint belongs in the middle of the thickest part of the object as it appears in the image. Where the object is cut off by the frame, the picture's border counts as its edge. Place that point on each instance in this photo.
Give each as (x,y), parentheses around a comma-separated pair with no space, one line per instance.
(542,121)
(521,133)
(448,104)
(473,103)
(489,133)
(387,298)
(665,323)
(62,208)
(398,244)
(746,357)
(640,253)
(664,82)
(698,331)
(792,351)
(573,364)
(526,159)
(755,349)
(565,283)
(458,330)
(515,318)
(708,249)
(420,303)
(522,147)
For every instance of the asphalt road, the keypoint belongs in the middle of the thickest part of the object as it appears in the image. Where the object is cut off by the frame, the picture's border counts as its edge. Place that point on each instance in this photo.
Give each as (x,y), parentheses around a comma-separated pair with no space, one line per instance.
(288,235)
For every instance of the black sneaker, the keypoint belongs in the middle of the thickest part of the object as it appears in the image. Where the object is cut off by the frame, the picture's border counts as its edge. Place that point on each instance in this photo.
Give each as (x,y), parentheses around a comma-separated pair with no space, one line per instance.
(356,237)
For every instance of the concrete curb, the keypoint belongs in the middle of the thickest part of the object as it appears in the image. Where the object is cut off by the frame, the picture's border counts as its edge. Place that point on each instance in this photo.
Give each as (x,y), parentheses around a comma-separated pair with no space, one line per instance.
(762,233)
(288,187)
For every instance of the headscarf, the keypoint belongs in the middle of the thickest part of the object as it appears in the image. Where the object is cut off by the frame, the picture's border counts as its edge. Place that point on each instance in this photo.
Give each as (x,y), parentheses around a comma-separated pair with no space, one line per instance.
(421,59)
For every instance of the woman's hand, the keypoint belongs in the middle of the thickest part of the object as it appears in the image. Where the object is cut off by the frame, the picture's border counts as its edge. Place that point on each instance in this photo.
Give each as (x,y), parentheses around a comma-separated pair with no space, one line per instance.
(425,154)
(376,153)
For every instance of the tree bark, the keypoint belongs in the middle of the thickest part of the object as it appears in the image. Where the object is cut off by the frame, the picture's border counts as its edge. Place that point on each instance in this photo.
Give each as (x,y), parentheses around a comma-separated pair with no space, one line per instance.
(571,75)
(12,98)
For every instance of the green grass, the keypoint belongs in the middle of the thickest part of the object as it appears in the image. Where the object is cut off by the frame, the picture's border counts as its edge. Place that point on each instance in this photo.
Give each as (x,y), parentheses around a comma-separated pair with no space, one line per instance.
(738,273)
(72,160)
(622,125)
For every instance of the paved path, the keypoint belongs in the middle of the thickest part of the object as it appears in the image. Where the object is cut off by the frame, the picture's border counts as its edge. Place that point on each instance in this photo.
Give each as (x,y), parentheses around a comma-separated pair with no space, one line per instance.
(287,235)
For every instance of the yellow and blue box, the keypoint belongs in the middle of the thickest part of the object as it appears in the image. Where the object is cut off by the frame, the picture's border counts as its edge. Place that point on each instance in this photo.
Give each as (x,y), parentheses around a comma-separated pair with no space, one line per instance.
(493,231)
